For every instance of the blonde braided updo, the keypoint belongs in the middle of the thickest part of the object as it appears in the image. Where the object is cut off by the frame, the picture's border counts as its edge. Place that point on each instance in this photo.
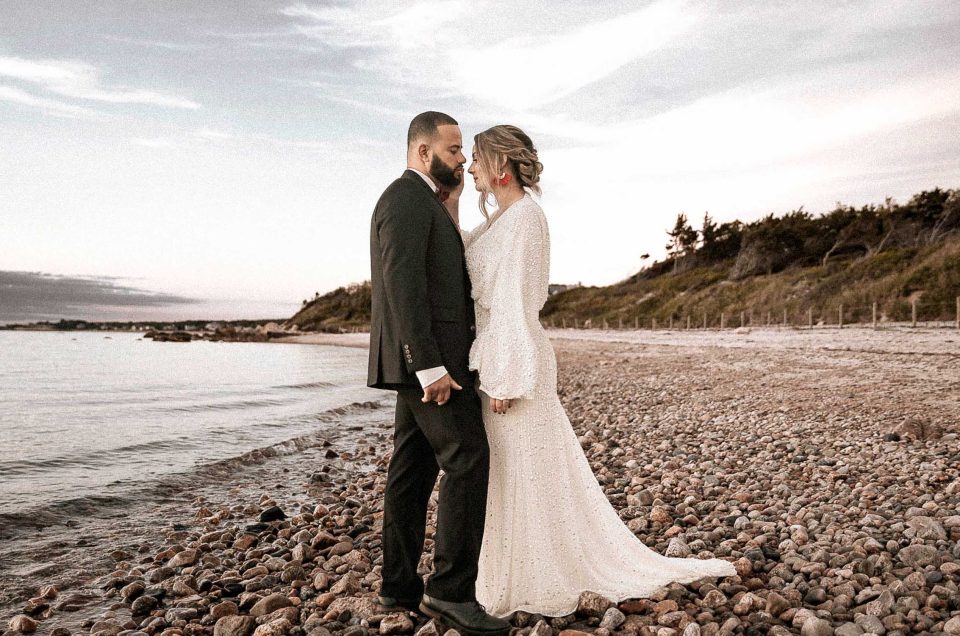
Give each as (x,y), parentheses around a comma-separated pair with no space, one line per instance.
(506,145)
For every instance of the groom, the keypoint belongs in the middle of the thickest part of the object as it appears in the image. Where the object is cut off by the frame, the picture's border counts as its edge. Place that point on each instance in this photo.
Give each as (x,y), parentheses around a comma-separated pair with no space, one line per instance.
(422,326)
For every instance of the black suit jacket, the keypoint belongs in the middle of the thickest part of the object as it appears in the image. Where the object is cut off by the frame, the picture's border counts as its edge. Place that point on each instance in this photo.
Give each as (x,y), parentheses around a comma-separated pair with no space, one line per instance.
(422,314)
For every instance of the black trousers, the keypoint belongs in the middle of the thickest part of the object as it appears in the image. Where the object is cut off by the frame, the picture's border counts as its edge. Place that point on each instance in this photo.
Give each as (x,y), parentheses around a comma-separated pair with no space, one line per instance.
(428,437)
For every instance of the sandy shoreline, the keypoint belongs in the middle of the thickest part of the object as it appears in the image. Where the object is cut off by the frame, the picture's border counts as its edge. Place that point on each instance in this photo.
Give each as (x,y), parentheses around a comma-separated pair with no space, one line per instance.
(824,465)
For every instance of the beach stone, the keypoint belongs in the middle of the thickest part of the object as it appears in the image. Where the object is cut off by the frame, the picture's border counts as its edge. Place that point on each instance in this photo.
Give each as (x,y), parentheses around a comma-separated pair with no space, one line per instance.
(660,515)
(592,604)
(279,627)
(927,528)
(292,614)
(952,626)
(776,604)
(714,599)
(677,548)
(848,629)
(879,607)
(396,623)
(612,619)
(183,559)
(234,626)
(573,632)
(815,626)
(919,556)
(226,608)
(23,624)
(244,542)
(273,513)
(346,585)
(105,628)
(269,604)
(359,607)
(143,605)
(341,548)
(541,628)
(132,591)
(429,629)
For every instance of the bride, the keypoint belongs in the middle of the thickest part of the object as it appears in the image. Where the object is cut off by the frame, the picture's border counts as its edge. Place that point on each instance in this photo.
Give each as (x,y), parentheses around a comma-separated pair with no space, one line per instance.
(549,532)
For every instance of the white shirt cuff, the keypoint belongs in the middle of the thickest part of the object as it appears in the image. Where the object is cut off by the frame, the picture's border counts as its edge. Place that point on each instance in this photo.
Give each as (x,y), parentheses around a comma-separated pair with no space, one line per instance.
(429,376)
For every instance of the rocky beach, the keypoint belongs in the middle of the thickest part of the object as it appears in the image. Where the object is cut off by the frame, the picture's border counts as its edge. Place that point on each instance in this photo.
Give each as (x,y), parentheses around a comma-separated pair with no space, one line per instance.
(825,464)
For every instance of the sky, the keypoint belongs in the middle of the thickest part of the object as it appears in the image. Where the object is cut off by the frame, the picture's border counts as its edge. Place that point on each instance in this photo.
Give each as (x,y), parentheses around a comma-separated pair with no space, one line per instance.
(222,159)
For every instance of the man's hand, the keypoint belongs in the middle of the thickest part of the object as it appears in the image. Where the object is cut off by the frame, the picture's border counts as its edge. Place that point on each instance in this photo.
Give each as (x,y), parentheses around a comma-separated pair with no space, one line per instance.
(453,201)
(499,406)
(439,391)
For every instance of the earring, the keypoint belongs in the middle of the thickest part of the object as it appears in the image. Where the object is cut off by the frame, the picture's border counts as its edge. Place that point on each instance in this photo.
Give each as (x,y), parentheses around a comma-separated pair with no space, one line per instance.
(503,179)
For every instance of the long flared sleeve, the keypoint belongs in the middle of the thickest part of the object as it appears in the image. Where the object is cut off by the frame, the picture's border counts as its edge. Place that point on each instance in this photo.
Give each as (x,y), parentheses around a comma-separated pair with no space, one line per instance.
(507,357)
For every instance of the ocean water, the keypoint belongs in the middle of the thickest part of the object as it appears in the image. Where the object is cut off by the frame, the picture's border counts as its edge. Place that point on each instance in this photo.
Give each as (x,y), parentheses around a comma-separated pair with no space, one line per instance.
(88,416)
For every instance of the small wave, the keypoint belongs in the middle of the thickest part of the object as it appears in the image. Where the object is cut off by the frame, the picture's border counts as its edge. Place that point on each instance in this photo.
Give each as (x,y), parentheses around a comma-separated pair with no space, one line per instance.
(61,512)
(306,385)
(93,459)
(221,406)
(58,512)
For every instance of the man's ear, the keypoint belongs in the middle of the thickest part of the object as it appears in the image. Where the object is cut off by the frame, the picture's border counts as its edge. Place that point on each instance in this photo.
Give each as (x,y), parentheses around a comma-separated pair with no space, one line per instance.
(423,151)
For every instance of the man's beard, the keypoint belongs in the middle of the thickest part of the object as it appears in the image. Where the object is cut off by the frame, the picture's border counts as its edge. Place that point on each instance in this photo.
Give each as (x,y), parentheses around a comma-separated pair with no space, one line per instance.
(444,174)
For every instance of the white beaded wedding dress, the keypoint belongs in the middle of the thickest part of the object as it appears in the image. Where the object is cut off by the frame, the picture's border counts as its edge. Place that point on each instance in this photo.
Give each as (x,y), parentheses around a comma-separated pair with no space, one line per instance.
(550,532)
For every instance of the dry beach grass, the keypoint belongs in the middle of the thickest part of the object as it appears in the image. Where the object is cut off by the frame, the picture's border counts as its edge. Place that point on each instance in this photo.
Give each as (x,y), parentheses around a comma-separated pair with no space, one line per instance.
(824,464)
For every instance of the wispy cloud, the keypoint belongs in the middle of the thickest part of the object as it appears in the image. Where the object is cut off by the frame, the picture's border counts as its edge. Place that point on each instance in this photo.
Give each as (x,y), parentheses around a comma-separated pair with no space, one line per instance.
(512,65)
(79,80)
(50,106)
(160,44)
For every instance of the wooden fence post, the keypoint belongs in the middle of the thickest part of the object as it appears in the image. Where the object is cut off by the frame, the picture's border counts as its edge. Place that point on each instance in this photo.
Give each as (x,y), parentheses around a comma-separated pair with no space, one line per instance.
(913,312)
(620,322)
(784,317)
(874,314)
(768,318)
(840,316)
(636,322)
(605,327)
(653,324)
(741,318)
(721,320)
(564,322)
(958,315)
(688,321)
(958,312)
(576,323)
(671,321)
(810,317)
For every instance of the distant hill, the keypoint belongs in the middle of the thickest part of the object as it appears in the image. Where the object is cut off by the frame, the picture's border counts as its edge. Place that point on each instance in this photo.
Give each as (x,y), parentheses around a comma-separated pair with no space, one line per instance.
(900,256)
(343,309)
(890,254)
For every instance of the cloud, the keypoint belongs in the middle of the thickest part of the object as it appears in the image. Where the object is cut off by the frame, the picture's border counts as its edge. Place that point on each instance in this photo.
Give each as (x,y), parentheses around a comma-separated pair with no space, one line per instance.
(51,106)
(511,64)
(79,80)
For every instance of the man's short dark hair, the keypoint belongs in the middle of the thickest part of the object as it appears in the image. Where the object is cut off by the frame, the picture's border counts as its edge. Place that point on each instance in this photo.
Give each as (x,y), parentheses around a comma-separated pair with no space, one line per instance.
(424,125)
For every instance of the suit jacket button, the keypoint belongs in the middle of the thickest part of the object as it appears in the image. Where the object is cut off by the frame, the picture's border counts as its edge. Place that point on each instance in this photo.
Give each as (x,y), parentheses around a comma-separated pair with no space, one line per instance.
(473,327)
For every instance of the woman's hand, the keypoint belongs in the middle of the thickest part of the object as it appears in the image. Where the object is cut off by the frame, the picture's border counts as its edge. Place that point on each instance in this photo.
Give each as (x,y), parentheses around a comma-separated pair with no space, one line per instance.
(500,406)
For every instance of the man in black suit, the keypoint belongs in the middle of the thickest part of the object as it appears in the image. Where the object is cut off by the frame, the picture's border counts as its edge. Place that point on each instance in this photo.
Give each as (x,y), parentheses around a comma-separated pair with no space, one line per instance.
(422,326)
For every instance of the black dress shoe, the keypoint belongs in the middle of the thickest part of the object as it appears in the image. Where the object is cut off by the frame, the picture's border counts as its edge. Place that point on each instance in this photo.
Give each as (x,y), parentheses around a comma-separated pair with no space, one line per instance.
(470,618)
(392,603)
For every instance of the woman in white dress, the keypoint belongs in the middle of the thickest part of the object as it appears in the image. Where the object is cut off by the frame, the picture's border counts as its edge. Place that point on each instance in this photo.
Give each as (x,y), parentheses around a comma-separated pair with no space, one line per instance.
(550,533)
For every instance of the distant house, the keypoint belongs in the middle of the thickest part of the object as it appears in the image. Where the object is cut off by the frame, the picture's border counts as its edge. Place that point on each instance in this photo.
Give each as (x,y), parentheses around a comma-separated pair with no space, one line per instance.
(556,289)
(190,328)
(213,326)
